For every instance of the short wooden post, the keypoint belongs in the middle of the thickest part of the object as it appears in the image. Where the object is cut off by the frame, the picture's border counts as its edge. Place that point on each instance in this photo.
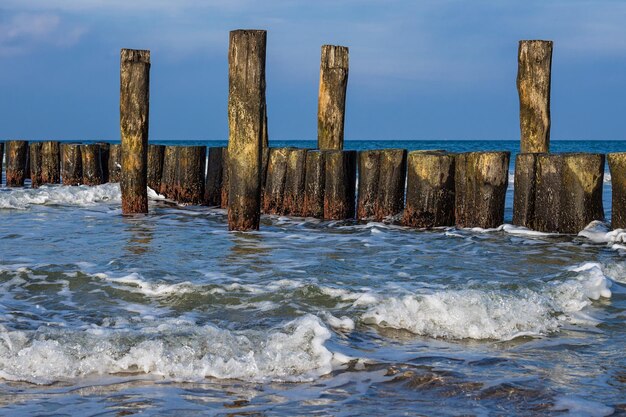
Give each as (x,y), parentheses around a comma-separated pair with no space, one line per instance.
(430,189)
(50,162)
(115,162)
(71,164)
(16,162)
(481,180)
(294,182)
(170,172)
(92,168)
(1,160)
(617,166)
(525,189)
(155,166)
(246,118)
(274,190)
(382,175)
(225,181)
(369,173)
(569,191)
(340,185)
(213,184)
(105,151)
(134,115)
(533,86)
(35,164)
(190,175)
(332,97)
(314,185)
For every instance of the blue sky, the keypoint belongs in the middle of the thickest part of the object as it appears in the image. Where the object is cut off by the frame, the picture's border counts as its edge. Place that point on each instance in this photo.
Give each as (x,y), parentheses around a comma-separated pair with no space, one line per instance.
(418,69)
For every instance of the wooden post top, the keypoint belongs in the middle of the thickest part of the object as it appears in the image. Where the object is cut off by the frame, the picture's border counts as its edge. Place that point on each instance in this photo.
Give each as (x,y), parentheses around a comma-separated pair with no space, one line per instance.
(335,56)
(135,55)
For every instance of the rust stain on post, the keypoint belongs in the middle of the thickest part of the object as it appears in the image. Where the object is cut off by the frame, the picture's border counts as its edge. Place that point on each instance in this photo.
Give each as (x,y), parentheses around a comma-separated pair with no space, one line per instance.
(332,97)
(533,86)
(134,116)
(246,120)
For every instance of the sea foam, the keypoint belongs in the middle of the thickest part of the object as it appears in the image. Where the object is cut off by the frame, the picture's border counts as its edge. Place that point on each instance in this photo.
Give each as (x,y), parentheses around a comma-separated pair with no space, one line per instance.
(81,195)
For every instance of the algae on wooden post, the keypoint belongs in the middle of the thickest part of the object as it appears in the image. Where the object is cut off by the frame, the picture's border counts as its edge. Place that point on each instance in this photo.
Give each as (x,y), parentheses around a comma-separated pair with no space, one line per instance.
(617,165)
(533,86)
(429,189)
(246,119)
(332,97)
(134,116)
(481,180)
(16,162)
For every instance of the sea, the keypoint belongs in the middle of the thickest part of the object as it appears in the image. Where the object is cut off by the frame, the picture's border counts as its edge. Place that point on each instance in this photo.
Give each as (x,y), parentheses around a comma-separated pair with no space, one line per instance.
(171,314)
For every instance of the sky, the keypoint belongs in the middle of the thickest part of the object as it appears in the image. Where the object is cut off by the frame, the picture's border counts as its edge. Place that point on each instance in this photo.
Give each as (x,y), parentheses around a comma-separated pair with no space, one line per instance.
(428,69)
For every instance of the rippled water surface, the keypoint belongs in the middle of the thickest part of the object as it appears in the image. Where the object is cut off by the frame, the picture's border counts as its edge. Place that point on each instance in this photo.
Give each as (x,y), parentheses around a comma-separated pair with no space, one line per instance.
(171,314)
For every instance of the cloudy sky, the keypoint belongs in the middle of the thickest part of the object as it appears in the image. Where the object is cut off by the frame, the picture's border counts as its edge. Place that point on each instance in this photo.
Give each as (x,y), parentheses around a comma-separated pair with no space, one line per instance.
(428,69)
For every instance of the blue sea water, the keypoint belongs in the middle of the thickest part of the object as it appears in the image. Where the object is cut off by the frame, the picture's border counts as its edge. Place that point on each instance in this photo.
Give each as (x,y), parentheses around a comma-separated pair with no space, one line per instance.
(171,314)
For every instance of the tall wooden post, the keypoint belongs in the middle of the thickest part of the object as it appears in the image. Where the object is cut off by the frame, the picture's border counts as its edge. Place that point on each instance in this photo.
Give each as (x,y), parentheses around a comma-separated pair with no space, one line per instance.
(533,86)
(16,162)
(617,165)
(134,116)
(246,118)
(332,97)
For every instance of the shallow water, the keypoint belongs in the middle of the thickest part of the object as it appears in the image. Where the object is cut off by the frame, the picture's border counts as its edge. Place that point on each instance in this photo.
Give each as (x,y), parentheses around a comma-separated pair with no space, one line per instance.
(171,314)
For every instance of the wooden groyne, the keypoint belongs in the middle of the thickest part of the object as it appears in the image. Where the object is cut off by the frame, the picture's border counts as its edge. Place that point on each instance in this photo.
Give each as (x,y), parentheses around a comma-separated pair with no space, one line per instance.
(554,192)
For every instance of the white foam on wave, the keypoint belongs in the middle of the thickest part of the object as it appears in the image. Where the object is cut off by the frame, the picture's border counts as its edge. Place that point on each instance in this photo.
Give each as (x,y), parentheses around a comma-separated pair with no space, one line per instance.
(174,349)
(600,232)
(496,314)
(82,195)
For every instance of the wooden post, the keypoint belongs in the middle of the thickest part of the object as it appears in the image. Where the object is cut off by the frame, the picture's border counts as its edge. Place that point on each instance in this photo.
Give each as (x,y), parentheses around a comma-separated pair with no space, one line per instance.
(50,162)
(225,181)
(533,86)
(35,164)
(155,166)
(71,164)
(213,184)
(294,182)
(134,115)
(190,174)
(481,180)
(16,162)
(314,185)
(332,97)
(274,190)
(170,172)
(1,160)
(430,189)
(105,151)
(382,175)
(569,191)
(91,161)
(340,185)
(246,118)
(525,189)
(369,173)
(115,163)
(617,166)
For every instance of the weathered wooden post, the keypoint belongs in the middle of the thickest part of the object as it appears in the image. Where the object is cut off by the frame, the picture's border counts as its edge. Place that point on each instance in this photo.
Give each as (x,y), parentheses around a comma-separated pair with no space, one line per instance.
(525,189)
(481,180)
(294,182)
(225,181)
(314,185)
(382,175)
(35,164)
(71,164)
(533,86)
(50,162)
(105,151)
(190,175)
(16,162)
(332,97)
(340,185)
(213,184)
(1,160)
(115,162)
(246,118)
(617,166)
(369,170)
(569,191)
(274,190)
(134,115)
(91,161)
(430,189)
(155,166)
(170,172)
